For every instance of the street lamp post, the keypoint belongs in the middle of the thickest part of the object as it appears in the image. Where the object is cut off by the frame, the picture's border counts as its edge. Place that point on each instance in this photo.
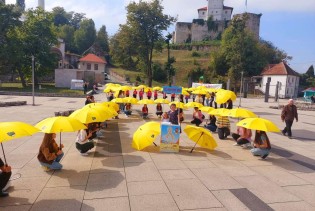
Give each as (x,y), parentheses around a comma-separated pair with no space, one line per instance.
(168,38)
(241,89)
(33,80)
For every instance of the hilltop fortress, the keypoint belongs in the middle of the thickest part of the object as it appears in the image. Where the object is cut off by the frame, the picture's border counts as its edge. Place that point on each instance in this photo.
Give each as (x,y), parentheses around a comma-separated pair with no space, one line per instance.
(211,22)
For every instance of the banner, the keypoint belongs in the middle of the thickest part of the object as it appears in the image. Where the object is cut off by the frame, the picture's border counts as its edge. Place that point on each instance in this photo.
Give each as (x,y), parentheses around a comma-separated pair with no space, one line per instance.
(172,89)
(215,86)
(169,137)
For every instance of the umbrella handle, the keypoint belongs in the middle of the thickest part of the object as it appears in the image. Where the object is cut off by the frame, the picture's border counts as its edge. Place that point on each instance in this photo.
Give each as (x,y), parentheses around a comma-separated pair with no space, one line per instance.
(154,144)
(196,143)
(5,160)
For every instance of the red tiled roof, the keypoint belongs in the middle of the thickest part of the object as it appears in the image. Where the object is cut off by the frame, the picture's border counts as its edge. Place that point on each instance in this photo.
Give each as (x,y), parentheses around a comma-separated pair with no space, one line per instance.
(203,8)
(279,69)
(92,58)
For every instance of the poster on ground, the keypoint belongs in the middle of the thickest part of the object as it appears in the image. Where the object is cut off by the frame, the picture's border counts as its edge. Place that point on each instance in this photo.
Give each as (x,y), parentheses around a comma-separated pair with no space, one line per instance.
(169,137)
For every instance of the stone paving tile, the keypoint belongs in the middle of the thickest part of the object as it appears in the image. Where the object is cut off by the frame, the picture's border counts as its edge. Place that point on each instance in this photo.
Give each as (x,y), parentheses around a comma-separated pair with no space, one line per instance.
(106,185)
(168,162)
(136,157)
(106,204)
(146,188)
(279,176)
(68,177)
(137,172)
(157,202)
(216,179)
(59,198)
(309,177)
(292,206)
(199,164)
(229,201)
(305,192)
(16,208)
(105,164)
(262,187)
(191,194)
(177,174)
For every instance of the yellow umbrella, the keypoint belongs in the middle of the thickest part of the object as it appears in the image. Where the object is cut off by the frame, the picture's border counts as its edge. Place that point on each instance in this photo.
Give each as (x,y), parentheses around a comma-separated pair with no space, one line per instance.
(162,101)
(13,130)
(122,88)
(240,113)
(219,112)
(258,124)
(59,124)
(89,115)
(224,96)
(118,100)
(193,105)
(206,109)
(111,105)
(130,100)
(157,88)
(184,92)
(110,111)
(201,136)
(145,135)
(178,104)
(191,89)
(146,101)
(200,92)
(141,86)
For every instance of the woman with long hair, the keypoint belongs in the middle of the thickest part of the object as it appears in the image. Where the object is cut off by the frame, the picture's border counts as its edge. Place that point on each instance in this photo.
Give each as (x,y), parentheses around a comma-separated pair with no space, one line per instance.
(262,145)
(50,154)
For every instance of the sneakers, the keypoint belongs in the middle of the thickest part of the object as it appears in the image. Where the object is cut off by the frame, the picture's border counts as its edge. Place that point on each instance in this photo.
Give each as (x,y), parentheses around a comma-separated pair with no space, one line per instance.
(236,144)
(45,168)
(264,156)
(6,186)
(4,194)
(84,154)
(248,145)
(283,133)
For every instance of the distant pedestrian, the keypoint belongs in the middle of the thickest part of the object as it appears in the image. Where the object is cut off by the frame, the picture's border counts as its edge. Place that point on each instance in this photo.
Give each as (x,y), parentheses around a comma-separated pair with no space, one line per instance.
(172,97)
(289,113)
(134,94)
(85,87)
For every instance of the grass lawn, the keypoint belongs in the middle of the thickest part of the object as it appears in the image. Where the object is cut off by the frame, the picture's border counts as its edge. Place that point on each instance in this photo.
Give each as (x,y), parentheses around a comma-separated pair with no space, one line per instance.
(45,88)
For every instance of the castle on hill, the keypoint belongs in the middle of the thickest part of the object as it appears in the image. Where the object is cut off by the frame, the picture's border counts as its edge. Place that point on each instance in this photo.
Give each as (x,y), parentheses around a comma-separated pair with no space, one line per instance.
(217,15)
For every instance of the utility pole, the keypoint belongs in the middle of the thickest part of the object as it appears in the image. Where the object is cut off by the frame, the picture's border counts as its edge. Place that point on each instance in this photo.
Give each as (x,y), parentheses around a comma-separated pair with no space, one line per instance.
(33,80)
(168,38)
(241,89)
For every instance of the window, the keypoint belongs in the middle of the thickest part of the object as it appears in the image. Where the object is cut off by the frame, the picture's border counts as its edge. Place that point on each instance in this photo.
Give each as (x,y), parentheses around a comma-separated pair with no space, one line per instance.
(203,13)
(95,66)
(88,66)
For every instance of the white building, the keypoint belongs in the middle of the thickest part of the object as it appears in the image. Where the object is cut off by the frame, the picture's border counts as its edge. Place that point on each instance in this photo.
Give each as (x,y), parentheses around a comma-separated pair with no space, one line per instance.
(288,78)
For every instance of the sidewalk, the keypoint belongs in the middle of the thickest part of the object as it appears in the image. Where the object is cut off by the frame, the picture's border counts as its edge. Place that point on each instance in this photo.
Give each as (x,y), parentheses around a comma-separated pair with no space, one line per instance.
(116,177)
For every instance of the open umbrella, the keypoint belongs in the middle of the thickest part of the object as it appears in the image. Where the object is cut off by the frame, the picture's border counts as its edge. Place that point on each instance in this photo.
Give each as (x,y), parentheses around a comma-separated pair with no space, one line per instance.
(59,124)
(145,135)
(219,112)
(110,111)
(162,101)
(206,109)
(118,100)
(178,104)
(240,113)
(200,92)
(13,130)
(193,105)
(131,100)
(223,96)
(146,101)
(157,88)
(258,124)
(89,115)
(201,136)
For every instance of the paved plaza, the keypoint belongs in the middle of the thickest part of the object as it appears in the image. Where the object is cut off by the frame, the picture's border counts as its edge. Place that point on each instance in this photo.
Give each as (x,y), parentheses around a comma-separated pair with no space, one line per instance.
(116,177)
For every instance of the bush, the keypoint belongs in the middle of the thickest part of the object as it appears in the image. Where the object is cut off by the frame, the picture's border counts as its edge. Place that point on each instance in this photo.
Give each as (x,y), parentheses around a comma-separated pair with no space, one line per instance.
(159,73)
(195,54)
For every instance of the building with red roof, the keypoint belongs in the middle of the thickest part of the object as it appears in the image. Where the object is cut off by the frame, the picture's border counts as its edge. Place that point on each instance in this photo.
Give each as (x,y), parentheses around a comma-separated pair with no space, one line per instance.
(91,62)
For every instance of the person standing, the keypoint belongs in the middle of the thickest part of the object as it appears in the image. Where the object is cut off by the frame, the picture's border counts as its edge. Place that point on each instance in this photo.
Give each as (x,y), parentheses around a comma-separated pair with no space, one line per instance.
(155,94)
(141,94)
(85,87)
(149,94)
(5,175)
(50,154)
(288,114)
(134,94)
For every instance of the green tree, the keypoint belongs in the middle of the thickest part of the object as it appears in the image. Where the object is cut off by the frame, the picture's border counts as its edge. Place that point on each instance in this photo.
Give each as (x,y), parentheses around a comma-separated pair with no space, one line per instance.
(85,36)
(310,72)
(66,32)
(60,16)
(271,53)
(76,20)
(146,22)
(101,42)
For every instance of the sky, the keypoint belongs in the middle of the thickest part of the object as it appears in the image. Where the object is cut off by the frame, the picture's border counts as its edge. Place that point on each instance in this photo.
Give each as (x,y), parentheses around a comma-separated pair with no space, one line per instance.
(288,24)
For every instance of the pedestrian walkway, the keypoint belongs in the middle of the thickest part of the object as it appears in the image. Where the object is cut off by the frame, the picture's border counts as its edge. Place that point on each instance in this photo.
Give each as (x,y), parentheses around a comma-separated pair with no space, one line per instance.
(114,176)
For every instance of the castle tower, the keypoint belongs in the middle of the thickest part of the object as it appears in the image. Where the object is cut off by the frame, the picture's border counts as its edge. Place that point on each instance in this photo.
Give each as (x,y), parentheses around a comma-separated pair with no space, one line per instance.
(41,4)
(215,9)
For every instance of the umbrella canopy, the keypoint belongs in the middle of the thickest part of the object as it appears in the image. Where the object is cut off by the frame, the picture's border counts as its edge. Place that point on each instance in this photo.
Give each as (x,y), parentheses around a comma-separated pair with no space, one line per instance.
(224,95)
(258,124)
(240,113)
(122,88)
(141,86)
(145,135)
(111,105)
(131,100)
(110,111)
(89,115)
(219,112)
(157,88)
(201,136)
(118,100)
(178,104)
(13,130)
(193,105)
(146,101)
(206,109)
(200,92)
(59,124)
(162,101)
(185,92)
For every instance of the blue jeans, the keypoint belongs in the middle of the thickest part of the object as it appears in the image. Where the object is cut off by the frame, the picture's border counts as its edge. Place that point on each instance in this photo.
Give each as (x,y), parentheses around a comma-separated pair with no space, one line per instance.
(212,128)
(259,152)
(127,112)
(55,164)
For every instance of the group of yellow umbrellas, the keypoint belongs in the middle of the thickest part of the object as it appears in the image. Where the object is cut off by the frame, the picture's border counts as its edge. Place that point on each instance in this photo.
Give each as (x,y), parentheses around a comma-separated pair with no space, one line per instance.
(95,112)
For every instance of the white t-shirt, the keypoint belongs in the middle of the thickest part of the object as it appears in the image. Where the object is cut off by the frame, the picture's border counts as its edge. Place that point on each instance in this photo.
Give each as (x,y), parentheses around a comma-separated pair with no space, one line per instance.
(81,137)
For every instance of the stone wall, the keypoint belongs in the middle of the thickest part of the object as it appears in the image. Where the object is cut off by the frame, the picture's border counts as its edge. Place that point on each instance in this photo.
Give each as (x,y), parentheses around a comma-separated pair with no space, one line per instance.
(182,32)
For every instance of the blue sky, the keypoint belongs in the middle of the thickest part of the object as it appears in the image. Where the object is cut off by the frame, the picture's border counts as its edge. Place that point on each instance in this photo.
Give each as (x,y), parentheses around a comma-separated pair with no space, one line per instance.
(288,24)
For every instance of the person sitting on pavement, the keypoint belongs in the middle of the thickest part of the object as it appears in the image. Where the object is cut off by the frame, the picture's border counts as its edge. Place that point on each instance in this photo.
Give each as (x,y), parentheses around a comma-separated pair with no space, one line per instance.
(5,175)
(145,111)
(165,117)
(83,143)
(262,144)
(127,110)
(181,115)
(242,136)
(50,154)
(211,125)
(223,124)
(198,117)
(159,110)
